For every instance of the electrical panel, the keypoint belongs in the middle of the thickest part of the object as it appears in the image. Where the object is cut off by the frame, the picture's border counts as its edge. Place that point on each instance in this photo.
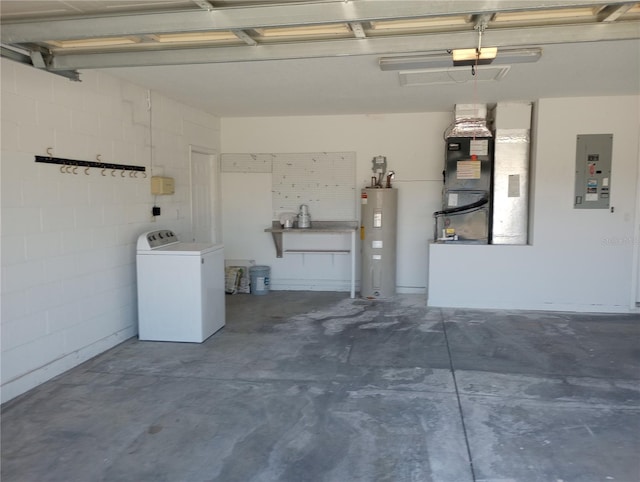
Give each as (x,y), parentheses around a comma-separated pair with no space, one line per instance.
(162,185)
(593,171)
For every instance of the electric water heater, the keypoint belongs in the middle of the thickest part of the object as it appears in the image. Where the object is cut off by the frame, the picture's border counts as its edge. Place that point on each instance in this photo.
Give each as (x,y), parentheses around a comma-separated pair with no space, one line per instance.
(378,233)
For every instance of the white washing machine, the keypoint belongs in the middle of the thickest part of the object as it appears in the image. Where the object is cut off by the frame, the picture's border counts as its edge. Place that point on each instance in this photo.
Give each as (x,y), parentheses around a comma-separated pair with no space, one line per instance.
(180,288)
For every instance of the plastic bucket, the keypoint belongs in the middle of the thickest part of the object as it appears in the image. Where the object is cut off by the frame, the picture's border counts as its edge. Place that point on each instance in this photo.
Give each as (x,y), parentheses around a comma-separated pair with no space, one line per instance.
(259,279)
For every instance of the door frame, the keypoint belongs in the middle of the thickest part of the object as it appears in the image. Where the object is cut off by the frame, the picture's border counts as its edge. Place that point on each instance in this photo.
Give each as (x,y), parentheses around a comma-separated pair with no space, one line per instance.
(635,281)
(215,197)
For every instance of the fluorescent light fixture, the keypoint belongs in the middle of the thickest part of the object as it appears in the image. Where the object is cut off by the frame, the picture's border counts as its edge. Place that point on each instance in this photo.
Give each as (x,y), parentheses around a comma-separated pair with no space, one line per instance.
(194,37)
(452,75)
(485,56)
(437,61)
(304,31)
(544,15)
(419,23)
(93,42)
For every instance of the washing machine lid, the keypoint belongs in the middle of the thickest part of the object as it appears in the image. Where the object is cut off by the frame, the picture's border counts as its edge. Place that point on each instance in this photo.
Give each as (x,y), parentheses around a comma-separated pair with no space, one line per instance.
(187,249)
(165,241)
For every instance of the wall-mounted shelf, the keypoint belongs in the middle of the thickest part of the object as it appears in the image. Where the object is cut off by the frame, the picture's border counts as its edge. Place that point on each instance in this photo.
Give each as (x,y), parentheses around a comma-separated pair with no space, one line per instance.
(318,227)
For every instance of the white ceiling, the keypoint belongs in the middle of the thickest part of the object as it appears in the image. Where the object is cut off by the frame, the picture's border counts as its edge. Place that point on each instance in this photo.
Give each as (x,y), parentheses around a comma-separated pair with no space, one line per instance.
(354,84)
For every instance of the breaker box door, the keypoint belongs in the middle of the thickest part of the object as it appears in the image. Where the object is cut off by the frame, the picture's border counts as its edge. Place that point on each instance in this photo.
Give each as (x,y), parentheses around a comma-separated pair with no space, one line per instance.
(593,171)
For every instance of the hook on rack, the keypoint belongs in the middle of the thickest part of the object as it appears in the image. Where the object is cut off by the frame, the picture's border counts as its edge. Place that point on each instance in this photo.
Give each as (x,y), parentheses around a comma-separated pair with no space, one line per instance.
(68,166)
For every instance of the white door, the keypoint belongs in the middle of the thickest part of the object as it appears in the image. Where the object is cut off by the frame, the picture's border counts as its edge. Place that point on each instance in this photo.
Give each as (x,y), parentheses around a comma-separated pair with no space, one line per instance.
(204,196)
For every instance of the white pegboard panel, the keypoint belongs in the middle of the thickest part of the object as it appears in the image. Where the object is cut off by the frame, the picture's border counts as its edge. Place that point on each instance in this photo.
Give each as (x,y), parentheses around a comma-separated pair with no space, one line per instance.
(246,162)
(324,181)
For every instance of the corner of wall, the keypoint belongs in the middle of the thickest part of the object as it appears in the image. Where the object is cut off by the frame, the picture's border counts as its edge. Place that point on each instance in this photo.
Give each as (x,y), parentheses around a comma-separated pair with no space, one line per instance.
(532,170)
(68,241)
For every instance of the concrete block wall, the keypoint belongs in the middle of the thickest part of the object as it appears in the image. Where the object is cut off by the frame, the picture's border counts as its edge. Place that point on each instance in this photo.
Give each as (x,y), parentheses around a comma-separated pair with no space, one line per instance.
(414,149)
(68,287)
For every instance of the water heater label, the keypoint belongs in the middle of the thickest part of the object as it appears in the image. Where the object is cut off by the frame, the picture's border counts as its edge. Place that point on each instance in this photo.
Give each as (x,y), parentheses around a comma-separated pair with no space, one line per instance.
(377,220)
(363,198)
(376,244)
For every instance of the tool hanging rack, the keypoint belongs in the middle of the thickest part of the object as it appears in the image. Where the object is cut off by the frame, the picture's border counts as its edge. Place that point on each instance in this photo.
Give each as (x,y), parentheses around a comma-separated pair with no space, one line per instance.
(70,166)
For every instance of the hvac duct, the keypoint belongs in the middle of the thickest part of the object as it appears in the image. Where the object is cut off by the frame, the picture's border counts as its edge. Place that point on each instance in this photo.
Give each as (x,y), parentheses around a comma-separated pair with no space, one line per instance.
(510,220)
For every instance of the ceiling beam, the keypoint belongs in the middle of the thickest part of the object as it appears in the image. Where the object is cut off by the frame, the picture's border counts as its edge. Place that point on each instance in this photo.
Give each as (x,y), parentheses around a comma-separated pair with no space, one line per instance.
(260,16)
(357,29)
(35,59)
(512,37)
(203,4)
(611,13)
(481,21)
(245,37)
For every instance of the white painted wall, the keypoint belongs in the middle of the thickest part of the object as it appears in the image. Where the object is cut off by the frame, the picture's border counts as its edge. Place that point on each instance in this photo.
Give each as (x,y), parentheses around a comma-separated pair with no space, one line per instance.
(414,148)
(579,260)
(68,241)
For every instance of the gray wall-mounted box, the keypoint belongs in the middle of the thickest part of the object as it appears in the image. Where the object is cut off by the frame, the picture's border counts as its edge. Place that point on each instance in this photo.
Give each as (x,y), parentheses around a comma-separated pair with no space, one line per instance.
(593,171)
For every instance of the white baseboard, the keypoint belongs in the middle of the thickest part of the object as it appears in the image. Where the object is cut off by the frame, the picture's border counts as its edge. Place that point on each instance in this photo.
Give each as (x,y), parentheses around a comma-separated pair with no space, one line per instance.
(568,307)
(310,285)
(411,290)
(333,285)
(30,380)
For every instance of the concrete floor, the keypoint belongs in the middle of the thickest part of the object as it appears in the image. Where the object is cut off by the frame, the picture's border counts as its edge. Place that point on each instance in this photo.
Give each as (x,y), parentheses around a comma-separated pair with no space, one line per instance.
(317,387)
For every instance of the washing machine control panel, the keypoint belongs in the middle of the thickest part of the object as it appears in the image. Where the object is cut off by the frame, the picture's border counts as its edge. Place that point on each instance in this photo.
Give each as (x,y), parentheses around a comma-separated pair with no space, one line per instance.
(156,239)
